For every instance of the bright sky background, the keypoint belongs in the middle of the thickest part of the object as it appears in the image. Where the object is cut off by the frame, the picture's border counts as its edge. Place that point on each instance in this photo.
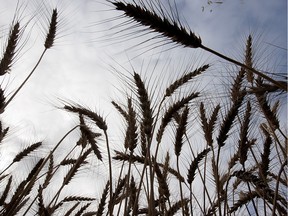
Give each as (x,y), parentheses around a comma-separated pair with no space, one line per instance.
(79,66)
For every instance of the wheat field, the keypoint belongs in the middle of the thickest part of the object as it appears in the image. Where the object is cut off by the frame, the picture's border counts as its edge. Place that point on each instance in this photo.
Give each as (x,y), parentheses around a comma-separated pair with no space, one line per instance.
(183,151)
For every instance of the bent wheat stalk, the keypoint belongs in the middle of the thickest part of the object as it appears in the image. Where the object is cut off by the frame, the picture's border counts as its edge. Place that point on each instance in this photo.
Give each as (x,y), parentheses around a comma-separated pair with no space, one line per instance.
(178,34)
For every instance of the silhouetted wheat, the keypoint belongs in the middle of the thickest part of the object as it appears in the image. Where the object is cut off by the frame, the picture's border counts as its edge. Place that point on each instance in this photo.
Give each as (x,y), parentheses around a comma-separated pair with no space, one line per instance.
(9,54)
(241,169)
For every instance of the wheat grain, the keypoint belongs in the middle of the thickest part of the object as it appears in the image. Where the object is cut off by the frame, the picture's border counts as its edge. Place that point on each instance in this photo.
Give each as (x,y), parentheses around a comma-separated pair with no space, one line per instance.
(131,132)
(9,54)
(184,79)
(143,16)
(236,87)
(176,206)
(26,151)
(243,145)
(49,174)
(3,132)
(118,190)
(135,158)
(264,165)
(77,198)
(145,105)
(76,167)
(194,165)
(22,204)
(244,199)
(90,136)
(120,110)
(68,161)
(208,128)
(90,213)
(5,191)
(228,120)
(181,130)
(68,213)
(102,203)
(2,100)
(133,202)
(82,209)
(100,122)
(263,103)
(174,108)
(143,141)
(52,30)
(41,208)
(21,191)
(249,59)
(163,186)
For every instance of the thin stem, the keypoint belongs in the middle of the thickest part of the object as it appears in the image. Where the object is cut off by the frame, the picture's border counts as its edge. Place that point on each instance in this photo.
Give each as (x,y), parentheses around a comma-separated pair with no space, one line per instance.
(127,184)
(277,186)
(55,170)
(32,181)
(27,78)
(110,166)
(278,84)
(180,186)
(199,171)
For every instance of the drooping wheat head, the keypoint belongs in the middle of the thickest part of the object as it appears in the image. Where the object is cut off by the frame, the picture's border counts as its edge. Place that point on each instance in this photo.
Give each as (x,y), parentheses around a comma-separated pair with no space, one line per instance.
(163,25)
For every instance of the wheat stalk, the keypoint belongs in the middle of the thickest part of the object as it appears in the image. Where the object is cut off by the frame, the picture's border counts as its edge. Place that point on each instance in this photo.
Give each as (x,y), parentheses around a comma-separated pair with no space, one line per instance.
(195,164)
(76,167)
(184,79)
(243,140)
(264,165)
(82,209)
(249,59)
(48,44)
(23,190)
(145,17)
(23,154)
(68,213)
(145,105)
(3,132)
(229,119)
(102,203)
(6,191)
(99,121)
(52,30)
(90,136)
(9,54)
(178,34)
(174,108)
(131,132)
(181,130)
(237,84)
(49,174)
(41,207)
(244,199)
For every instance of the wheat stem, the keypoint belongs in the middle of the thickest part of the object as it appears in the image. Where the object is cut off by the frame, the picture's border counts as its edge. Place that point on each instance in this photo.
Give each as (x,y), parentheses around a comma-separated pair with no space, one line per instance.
(278,84)
(277,186)
(24,82)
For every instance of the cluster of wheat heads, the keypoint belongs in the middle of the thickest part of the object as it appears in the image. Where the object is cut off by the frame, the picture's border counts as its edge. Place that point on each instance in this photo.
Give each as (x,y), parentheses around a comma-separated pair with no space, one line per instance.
(242,159)
(37,191)
(237,166)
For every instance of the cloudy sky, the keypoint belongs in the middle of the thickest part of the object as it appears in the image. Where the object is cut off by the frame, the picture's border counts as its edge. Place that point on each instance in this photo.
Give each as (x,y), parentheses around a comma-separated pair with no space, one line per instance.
(81,65)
